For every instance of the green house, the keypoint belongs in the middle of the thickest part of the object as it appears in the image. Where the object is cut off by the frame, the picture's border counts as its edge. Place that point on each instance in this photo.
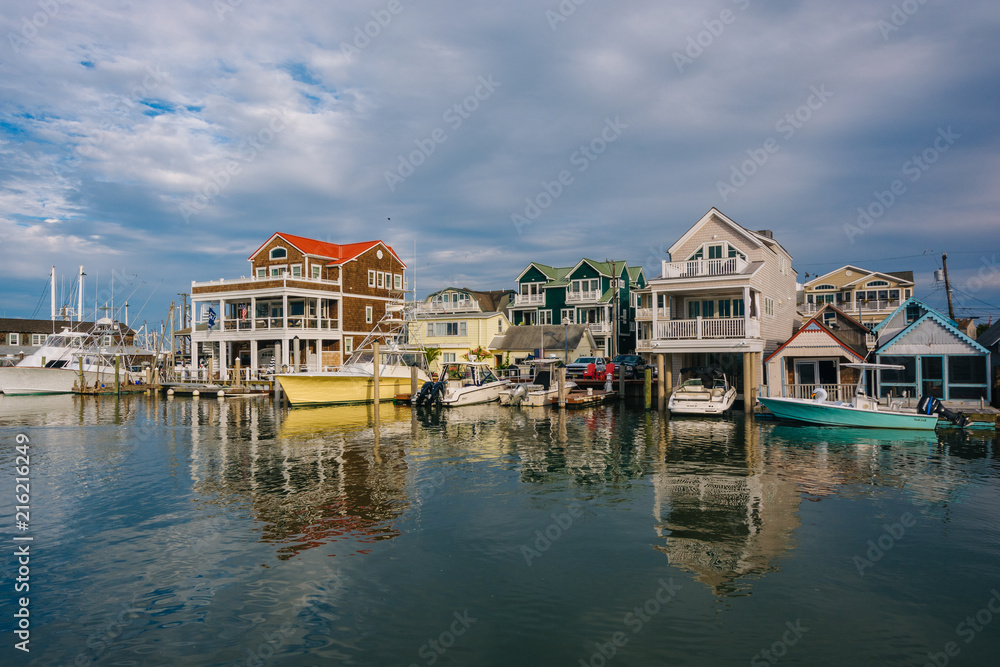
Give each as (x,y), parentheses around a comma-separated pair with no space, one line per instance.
(598,294)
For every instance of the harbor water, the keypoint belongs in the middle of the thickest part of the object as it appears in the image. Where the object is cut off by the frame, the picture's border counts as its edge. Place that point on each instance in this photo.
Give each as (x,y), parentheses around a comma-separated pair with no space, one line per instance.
(185,531)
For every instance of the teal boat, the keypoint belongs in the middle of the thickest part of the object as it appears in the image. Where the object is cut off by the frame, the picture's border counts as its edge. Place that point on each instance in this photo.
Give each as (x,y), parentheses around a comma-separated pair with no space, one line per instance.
(862,412)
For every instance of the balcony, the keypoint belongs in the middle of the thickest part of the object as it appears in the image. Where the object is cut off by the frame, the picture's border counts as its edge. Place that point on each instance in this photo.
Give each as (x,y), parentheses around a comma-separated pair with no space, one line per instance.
(701,268)
(529,299)
(440,308)
(647,313)
(700,328)
(297,322)
(600,327)
(852,307)
(269,282)
(588,296)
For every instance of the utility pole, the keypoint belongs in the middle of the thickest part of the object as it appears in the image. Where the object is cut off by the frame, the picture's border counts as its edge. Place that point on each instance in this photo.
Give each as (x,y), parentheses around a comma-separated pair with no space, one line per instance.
(947,284)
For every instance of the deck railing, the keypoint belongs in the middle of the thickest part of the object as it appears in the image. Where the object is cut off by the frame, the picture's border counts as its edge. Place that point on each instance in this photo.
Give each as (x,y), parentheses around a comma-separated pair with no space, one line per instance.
(647,313)
(698,328)
(529,299)
(835,392)
(583,296)
(704,267)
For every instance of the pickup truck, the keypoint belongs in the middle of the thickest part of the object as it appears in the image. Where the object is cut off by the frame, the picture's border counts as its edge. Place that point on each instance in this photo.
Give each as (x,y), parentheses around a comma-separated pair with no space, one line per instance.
(587,367)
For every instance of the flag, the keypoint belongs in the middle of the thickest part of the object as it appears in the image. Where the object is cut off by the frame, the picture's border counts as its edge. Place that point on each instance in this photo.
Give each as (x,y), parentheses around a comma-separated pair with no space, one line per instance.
(243,312)
(211,317)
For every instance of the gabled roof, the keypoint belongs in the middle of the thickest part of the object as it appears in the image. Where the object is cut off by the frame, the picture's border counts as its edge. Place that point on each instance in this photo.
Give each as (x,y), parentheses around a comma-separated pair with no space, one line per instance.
(752,238)
(929,315)
(550,272)
(990,337)
(906,276)
(528,337)
(817,324)
(491,301)
(337,253)
(635,272)
(880,274)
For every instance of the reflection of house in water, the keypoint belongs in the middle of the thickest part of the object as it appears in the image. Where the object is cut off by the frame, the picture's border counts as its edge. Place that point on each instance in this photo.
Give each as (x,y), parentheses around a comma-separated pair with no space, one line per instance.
(727,523)
(326,478)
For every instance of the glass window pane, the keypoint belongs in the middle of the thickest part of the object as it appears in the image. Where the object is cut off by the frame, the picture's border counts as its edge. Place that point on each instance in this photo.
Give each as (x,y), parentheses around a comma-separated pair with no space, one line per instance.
(967,369)
(908,375)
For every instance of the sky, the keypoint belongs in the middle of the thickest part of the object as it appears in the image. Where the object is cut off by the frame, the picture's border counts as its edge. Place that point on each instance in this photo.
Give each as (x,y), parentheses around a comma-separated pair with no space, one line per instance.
(160,143)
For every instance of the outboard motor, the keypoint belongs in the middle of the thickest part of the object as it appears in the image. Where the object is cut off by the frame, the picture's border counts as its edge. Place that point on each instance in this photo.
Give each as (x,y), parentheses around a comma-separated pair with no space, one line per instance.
(929,405)
(423,396)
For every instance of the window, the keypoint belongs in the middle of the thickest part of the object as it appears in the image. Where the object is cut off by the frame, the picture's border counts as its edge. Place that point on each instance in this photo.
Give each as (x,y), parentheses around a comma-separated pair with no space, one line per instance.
(37,339)
(316,271)
(566,316)
(381,279)
(769,306)
(906,294)
(738,308)
(898,382)
(447,328)
(13,339)
(715,251)
(448,357)
(967,369)
(725,308)
(783,265)
(262,272)
(589,285)
(708,308)
(348,345)
(397,281)
(819,287)
(278,270)
(894,295)
(877,283)
(368,314)
(912,313)
(500,325)
(371,279)
(430,329)
(296,269)
(278,253)
(694,309)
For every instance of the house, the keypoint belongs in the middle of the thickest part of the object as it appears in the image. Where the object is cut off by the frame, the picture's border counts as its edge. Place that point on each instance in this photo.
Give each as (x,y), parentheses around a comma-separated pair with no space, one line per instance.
(869,296)
(305,303)
(458,321)
(990,339)
(724,298)
(939,360)
(19,337)
(566,342)
(967,326)
(598,294)
(815,355)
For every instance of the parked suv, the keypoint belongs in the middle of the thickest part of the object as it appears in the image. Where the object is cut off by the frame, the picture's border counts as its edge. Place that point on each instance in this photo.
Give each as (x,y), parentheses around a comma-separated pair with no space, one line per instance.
(578,369)
(632,365)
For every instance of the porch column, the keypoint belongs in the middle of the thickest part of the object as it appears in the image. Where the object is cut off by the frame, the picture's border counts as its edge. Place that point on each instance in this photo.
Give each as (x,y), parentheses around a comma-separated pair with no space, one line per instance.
(284,318)
(746,311)
(223,360)
(253,319)
(194,352)
(319,354)
(284,349)
(253,358)
(652,334)
(222,315)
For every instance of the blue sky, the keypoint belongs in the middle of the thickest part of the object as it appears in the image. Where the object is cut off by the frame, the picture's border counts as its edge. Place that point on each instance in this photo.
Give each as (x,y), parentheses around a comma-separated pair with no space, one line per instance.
(163,142)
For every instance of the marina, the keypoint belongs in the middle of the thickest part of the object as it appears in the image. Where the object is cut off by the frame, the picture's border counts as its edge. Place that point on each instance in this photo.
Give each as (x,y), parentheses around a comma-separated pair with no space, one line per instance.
(204,531)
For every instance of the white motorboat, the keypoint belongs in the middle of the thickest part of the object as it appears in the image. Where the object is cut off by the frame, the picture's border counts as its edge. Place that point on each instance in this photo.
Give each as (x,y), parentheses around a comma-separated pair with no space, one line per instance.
(463,383)
(703,391)
(540,391)
(66,362)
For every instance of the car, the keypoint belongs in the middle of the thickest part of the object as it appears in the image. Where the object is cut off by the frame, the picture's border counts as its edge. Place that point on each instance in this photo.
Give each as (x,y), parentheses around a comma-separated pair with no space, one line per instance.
(586,367)
(632,365)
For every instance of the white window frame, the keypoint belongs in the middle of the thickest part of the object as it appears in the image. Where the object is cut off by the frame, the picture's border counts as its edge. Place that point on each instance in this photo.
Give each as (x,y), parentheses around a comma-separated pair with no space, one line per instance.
(371,278)
(348,345)
(567,313)
(769,306)
(380,278)
(296,270)
(397,280)
(448,357)
(37,339)
(13,339)
(877,283)
(270,254)
(545,316)
(369,314)
(279,270)
(262,272)
(317,271)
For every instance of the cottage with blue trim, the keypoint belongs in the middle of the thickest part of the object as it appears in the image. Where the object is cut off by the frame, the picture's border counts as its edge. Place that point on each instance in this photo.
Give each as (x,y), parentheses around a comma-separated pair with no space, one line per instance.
(938,358)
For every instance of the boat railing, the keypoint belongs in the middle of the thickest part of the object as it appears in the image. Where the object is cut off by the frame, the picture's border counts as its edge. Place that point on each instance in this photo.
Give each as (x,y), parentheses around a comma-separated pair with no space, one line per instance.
(835,392)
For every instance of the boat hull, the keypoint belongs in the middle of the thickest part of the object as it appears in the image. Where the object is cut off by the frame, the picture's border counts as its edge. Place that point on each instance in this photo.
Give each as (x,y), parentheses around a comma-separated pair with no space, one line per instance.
(336,389)
(680,405)
(28,380)
(474,395)
(835,415)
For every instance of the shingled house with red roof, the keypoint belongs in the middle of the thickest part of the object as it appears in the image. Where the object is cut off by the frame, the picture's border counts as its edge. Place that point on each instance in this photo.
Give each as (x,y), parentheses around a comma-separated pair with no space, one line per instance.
(304,298)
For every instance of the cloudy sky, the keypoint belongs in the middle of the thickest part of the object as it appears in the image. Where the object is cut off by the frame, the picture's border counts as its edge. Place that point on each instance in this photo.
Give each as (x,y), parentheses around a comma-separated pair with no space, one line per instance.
(163,142)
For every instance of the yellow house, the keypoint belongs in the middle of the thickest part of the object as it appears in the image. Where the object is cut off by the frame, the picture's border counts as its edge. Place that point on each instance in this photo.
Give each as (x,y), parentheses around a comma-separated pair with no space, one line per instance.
(867,296)
(459,320)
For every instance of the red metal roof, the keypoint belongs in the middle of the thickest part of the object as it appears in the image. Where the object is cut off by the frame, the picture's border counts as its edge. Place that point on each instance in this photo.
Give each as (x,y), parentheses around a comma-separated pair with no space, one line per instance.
(334,251)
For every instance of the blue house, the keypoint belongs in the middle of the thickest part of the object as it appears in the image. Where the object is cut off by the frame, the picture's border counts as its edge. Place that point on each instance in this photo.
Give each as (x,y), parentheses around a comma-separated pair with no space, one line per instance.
(938,358)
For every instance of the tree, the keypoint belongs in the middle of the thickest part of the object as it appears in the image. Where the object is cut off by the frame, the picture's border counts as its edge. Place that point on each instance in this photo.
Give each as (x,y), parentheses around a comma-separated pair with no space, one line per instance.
(432,353)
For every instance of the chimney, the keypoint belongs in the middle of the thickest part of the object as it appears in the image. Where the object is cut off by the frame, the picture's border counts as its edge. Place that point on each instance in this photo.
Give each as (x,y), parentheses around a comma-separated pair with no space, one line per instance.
(766,232)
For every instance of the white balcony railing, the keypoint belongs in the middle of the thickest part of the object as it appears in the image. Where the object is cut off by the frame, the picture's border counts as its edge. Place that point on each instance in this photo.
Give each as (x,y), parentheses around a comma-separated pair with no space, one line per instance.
(584,296)
(852,307)
(529,299)
(440,307)
(253,281)
(294,322)
(600,327)
(699,328)
(647,313)
(704,267)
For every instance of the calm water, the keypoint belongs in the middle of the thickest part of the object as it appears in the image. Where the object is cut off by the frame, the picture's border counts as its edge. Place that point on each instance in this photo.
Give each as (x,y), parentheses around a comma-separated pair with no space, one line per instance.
(199,532)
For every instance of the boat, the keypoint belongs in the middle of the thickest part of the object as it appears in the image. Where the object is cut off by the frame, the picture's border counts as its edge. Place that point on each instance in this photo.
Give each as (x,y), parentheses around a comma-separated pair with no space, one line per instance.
(863,412)
(703,391)
(354,381)
(67,362)
(463,383)
(542,390)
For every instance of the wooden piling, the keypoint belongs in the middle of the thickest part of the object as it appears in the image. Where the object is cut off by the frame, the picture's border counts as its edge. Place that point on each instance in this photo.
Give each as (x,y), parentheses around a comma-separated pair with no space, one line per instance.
(621,383)
(413,383)
(118,376)
(647,389)
(375,379)
(561,380)
(661,384)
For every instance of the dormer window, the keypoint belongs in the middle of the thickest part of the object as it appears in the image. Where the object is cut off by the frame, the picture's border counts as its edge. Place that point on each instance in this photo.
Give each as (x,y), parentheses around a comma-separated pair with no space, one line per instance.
(279,253)
(716,251)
